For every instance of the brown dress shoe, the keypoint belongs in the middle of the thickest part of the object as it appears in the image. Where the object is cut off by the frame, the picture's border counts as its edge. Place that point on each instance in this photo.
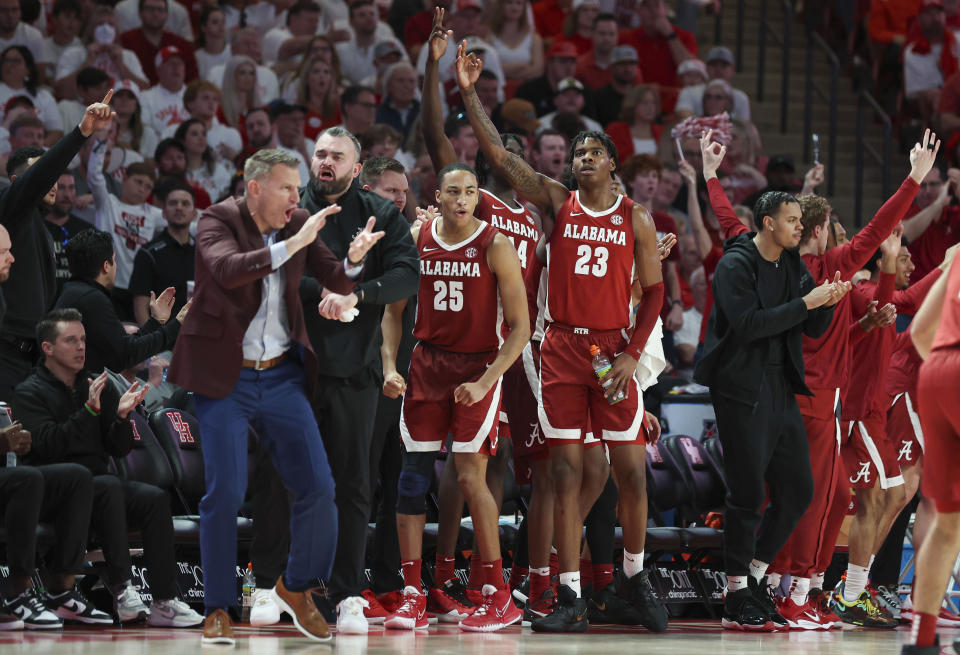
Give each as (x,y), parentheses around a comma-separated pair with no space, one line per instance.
(301,608)
(218,629)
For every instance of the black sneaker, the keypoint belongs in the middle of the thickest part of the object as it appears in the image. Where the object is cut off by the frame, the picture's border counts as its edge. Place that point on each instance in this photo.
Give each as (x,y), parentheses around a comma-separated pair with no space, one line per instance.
(569,615)
(742,611)
(637,592)
(30,609)
(73,606)
(539,608)
(764,596)
(522,591)
(605,606)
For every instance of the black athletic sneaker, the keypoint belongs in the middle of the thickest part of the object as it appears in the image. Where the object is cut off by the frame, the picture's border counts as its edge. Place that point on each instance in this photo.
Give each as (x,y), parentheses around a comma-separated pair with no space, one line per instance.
(742,611)
(605,606)
(522,591)
(569,615)
(537,609)
(764,596)
(30,609)
(637,592)
(73,606)
(913,649)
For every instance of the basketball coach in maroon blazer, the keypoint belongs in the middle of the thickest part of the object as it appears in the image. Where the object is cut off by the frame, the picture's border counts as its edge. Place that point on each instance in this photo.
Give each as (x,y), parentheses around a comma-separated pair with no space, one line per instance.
(243,350)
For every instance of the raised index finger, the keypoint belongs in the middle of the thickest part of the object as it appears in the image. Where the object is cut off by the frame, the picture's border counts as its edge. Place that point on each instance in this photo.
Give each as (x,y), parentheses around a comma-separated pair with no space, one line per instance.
(107,98)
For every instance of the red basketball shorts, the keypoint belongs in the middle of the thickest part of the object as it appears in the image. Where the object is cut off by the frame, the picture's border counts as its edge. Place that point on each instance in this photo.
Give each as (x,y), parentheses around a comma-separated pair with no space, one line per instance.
(570,393)
(429,411)
(870,457)
(940,415)
(521,384)
(903,428)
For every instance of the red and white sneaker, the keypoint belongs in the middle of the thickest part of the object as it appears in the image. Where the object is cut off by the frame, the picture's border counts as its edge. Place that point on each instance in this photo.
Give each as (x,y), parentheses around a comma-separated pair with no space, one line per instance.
(496,612)
(821,600)
(412,613)
(449,602)
(475,596)
(800,617)
(374,612)
(391,601)
(945,619)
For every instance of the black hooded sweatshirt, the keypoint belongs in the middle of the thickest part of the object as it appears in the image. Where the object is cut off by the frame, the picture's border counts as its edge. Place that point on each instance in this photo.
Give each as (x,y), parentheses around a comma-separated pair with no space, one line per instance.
(757,320)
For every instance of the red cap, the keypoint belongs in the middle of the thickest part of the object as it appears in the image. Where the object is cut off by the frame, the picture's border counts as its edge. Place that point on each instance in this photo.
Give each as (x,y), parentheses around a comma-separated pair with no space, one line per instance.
(562,49)
(463,5)
(166,53)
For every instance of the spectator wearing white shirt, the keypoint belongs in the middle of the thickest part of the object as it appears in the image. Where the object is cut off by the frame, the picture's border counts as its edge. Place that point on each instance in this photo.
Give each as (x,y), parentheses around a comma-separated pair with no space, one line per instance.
(246,42)
(261,15)
(103,51)
(212,47)
(202,99)
(163,103)
(91,83)
(13,31)
(129,219)
(19,77)
(240,91)
(357,54)
(178,19)
(289,124)
(132,133)
(65,32)
(203,168)
(385,55)
(303,21)
(467,24)
(720,66)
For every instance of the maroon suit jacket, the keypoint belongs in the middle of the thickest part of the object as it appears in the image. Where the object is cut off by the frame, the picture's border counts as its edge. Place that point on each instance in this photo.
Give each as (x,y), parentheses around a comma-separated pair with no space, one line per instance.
(231,263)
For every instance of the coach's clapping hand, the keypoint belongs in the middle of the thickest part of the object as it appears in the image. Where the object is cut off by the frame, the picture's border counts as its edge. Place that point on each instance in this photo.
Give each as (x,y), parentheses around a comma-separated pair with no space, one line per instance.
(130,399)
(160,307)
(97,116)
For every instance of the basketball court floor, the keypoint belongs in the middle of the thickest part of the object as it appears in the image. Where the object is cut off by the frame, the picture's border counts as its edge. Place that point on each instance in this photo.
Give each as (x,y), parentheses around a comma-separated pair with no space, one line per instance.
(683,637)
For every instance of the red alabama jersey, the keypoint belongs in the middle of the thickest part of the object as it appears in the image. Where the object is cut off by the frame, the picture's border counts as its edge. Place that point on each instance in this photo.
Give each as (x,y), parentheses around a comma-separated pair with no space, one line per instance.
(948,332)
(515,224)
(458,301)
(590,257)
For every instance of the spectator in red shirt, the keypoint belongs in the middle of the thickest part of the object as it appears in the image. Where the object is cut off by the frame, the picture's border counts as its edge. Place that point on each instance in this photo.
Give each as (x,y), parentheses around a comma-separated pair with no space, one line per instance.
(578,26)
(594,67)
(549,16)
(641,175)
(663,46)
(933,223)
(636,132)
(146,41)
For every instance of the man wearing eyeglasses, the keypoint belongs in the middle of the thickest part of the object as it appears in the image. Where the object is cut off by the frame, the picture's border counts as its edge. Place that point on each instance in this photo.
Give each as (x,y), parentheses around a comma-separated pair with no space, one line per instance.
(63,225)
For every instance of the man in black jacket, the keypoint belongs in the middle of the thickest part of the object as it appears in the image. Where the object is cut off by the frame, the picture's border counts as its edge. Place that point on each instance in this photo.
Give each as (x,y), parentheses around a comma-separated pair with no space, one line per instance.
(93,267)
(349,352)
(765,300)
(30,292)
(85,421)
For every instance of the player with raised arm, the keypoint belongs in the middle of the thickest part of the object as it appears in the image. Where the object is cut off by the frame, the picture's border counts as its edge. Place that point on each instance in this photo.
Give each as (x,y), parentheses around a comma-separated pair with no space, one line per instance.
(454,386)
(598,242)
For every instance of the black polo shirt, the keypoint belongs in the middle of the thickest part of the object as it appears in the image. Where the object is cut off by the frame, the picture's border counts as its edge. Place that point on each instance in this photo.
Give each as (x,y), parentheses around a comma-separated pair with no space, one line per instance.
(61,234)
(162,263)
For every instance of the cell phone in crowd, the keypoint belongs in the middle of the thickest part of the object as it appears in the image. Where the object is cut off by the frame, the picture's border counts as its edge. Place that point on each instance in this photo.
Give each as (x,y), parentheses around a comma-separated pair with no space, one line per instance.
(816,148)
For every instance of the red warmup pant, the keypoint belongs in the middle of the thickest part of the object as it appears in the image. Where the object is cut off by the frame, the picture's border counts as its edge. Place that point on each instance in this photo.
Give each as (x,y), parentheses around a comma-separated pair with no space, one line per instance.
(837,512)
(798,556)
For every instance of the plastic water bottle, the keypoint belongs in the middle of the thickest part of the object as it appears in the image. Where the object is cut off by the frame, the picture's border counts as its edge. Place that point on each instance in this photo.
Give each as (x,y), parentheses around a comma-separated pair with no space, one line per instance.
(602,367)
(249,586)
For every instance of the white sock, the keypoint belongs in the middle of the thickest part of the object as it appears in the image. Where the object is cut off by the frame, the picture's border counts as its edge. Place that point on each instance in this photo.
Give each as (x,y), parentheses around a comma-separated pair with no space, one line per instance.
(870,565)
(798,590)
(632,563)
(542,572)
(758,569)
(816,580)
(856,582)
(736,582)
(773,580)
(572,580)
(553,550)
